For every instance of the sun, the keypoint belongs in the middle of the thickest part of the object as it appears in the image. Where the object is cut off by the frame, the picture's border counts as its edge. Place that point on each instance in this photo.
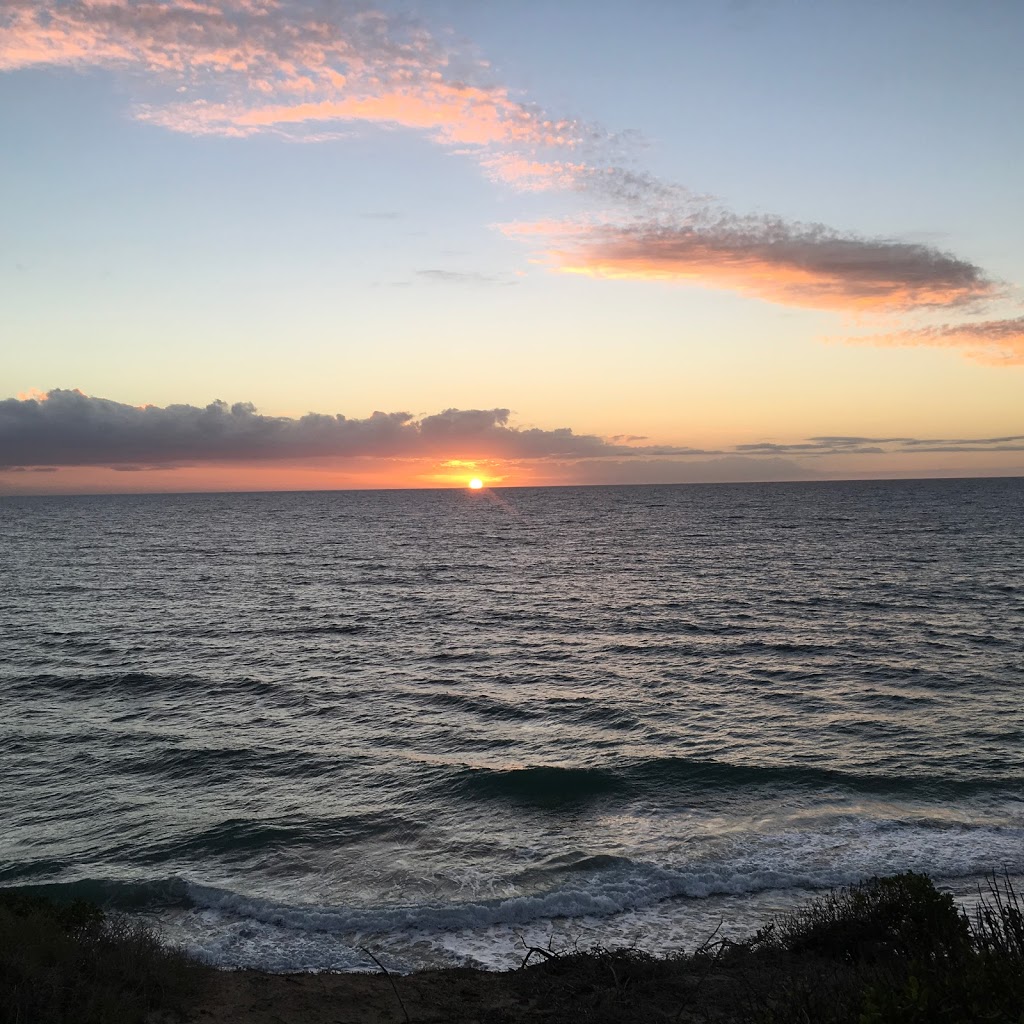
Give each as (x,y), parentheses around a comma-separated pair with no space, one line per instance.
(475,484)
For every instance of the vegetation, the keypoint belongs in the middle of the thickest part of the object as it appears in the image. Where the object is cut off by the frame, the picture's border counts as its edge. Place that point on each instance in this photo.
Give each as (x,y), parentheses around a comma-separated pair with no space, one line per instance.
(892,950)
(889,951)
(72,964)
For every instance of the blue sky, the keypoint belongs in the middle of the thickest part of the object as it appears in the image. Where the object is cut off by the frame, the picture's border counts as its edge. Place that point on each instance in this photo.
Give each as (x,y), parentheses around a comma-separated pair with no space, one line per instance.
(744,224)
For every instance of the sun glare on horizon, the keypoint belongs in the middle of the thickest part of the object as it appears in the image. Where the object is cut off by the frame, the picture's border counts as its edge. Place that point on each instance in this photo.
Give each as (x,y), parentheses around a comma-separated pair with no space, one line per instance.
(475,484)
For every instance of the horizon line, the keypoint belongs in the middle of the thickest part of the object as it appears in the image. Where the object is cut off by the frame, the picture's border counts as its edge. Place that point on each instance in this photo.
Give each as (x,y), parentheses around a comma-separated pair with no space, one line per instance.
(520,487)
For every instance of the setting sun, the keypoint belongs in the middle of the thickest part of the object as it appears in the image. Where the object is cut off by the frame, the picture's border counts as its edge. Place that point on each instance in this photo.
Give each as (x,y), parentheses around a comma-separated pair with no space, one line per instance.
(475,484)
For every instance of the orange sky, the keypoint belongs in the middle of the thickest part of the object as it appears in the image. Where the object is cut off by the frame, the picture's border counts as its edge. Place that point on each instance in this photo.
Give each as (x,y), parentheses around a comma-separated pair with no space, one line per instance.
(380,228)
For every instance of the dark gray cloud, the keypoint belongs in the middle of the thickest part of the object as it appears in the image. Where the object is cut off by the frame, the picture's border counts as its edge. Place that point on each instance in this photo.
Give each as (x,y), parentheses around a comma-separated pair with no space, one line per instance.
(847,439)
(974,441)
(851,445)
(69,428)
(811,447)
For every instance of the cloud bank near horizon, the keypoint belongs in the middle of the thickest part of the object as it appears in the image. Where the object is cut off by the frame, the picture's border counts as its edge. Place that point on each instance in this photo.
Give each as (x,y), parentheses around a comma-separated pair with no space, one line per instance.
(66,428)
(244,67)
(69,428)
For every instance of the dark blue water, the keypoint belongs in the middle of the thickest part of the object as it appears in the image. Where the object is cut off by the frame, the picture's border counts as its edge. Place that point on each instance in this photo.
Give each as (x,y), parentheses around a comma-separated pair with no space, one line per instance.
(289,725)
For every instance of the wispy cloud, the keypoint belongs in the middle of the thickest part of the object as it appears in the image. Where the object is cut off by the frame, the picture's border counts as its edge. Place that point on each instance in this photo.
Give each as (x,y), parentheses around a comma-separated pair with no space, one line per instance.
(817,446)
(306,71)
(993,342)
(470,277)
(532,175)
(241,67)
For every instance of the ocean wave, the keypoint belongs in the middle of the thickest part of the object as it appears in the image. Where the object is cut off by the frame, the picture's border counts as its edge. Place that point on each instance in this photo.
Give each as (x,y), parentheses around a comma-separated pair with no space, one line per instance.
(133,683)
(113,893)
(237,838)
(599,885)
(579,893)
(224,763)
(545,785)
(542,785)
(485,707)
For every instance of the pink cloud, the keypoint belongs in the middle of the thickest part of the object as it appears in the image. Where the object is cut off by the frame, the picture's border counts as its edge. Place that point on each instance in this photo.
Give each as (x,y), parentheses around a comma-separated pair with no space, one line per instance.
(452,113)
(243,67)
(533,175)
(992,342)
(261,66)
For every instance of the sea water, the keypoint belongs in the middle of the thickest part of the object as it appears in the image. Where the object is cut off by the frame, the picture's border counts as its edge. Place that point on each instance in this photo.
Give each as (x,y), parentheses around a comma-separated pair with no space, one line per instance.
(444,725)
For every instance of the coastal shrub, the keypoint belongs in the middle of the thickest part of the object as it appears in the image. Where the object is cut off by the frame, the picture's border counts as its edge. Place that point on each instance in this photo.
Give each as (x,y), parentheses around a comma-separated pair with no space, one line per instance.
(891,950)
(72,964)
(982,981)
(895,951)
(998,924)
(900,916)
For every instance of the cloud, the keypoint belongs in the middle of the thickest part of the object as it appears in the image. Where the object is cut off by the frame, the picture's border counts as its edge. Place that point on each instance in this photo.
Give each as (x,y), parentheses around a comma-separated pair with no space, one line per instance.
(852,445)
(251,66)
(246,67)
(992,342)
(791,264)
(68,428)
(93,441)
(464,277)
(531,175)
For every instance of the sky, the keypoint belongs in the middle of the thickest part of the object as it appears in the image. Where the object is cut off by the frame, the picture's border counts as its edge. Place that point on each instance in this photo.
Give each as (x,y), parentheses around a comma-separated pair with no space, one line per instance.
(258,244)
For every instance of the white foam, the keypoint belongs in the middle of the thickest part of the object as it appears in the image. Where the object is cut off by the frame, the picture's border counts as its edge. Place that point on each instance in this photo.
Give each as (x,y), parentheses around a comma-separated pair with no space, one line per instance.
(664,906)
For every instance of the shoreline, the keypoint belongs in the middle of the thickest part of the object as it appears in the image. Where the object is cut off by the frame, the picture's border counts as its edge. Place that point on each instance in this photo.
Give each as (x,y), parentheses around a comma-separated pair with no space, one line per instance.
(890,950)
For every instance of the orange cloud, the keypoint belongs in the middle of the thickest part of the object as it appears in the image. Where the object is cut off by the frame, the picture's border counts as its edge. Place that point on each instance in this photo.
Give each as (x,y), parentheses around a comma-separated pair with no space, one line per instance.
(532,175)
(452,113)
(354,65)
(992,342)
(243,67)
(793,265)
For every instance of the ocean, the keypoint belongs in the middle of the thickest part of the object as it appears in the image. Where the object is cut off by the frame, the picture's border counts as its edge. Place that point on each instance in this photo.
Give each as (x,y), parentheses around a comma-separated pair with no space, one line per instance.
(443,725)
